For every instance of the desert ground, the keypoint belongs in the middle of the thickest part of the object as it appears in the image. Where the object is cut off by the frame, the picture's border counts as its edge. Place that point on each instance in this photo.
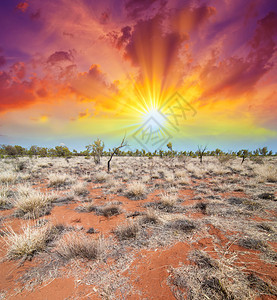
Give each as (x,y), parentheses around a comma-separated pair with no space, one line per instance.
(160,228)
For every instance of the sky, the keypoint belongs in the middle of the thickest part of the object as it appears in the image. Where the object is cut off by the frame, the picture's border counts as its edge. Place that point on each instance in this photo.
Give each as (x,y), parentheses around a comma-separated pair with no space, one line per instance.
(191,72)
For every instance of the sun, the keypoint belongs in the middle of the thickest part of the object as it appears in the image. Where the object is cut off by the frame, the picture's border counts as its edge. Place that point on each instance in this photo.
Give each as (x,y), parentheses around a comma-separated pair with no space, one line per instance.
(154,117)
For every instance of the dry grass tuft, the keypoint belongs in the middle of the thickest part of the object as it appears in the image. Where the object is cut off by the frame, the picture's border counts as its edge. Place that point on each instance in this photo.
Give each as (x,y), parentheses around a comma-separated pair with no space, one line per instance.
(78,245)
(182,225)
(109,210)
(30,241)
(168,199)
(57,179)
(128,231)
(149,218)
(4,197)
(31,203)
(136,190)
(79,189)
(253,244)
(261,286)
(101,177)
(210,279)
(8,177)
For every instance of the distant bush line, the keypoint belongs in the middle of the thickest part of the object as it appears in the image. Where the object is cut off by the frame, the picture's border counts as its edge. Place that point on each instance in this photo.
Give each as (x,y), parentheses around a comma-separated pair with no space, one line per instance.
(63,151)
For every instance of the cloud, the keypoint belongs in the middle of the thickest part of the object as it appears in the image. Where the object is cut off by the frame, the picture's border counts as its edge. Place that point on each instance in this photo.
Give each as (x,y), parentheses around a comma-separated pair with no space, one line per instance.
(14,94)
(136,8)
(60,56)
(36,15)
(94,86)
(236,75)
(42,92)
(186,19)
(152,48)
(19,70)
(84,115)
(2,60)
(124,37)
(22,6)
(41,119)
(105,16)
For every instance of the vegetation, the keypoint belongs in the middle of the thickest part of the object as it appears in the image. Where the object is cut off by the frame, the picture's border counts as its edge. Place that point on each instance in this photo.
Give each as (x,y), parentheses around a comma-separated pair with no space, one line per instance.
(32,239)
(97,150)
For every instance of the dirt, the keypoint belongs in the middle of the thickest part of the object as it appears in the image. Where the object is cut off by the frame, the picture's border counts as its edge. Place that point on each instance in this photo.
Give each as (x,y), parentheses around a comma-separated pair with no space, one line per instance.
(149,269)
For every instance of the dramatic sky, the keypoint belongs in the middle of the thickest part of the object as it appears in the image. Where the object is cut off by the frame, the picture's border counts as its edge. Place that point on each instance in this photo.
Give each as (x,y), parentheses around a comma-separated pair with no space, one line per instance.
(192,72)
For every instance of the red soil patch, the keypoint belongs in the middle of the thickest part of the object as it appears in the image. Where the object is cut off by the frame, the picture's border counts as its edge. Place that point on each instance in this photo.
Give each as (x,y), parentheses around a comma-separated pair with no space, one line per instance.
(149,272)
(58,289)
(234,194)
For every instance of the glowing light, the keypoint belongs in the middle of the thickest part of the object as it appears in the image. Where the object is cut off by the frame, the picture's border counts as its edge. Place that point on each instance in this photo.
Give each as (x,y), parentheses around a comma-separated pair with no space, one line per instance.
(155,118)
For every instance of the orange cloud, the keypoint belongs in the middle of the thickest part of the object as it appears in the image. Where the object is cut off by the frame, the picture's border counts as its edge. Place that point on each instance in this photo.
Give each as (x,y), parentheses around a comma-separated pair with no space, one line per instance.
(84,115)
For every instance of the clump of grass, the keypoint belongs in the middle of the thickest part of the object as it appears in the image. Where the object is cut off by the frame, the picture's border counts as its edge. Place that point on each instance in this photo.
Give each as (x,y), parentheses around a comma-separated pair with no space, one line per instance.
(168,199)
(266,173)
(183,225)
(202,206)
(252,205)
(24,176)
(223,159)
(88,207)
(101,177)
(20,166)
(109,210)
(27,243)
(267,196)
(79,189)
(149,218)
(257,159)
(253,244)
(4,197)
(169,177)
(203,260)
(182,177)
(78,245)
(167,202)
(209,279)
(136,190)
(126,232)
(8,177)
(32,203)
(261,286)
(265,227)
(57,179)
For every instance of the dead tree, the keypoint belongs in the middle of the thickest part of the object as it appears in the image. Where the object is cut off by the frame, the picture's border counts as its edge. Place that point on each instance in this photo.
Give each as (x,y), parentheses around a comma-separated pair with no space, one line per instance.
(115,151)
(201,152)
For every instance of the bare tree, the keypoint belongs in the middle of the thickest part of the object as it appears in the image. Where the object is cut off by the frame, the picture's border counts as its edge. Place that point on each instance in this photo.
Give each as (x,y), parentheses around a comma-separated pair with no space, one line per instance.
(115,151)
(200,152)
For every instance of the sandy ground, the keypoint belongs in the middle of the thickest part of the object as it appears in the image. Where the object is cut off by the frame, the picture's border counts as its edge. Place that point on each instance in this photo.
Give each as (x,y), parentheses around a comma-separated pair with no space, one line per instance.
(232,226)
